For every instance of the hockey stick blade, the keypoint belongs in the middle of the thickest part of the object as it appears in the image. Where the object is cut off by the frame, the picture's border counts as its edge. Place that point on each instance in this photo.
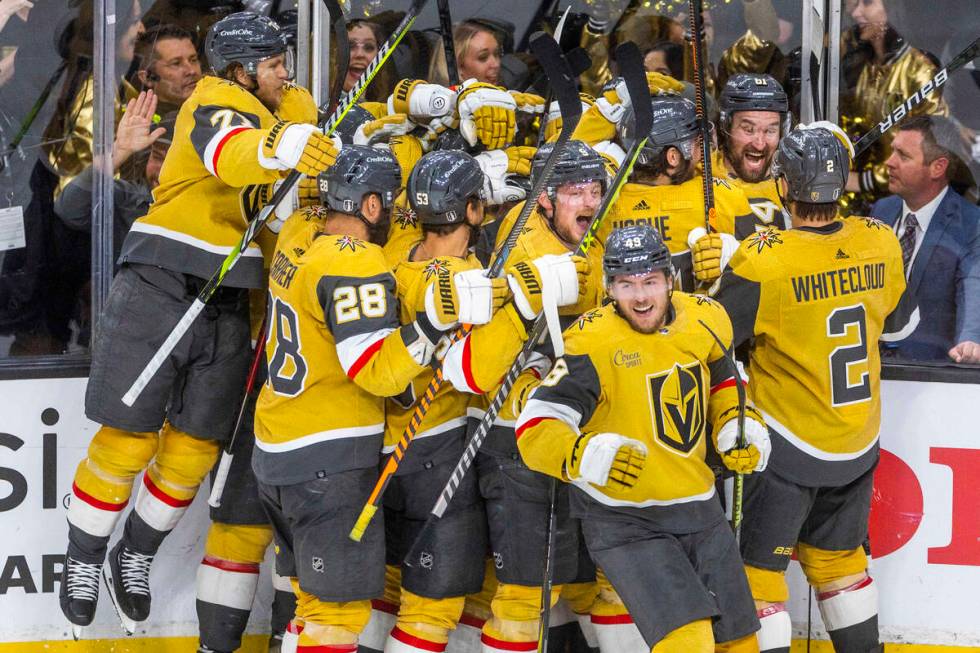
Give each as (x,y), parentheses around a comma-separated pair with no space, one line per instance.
(548,53)
(905,108)
(256,225)
(631,66)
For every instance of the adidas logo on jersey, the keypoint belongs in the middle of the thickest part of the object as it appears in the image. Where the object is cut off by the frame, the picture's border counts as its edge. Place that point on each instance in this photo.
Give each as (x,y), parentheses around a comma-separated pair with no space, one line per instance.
(641,206)
(841,254)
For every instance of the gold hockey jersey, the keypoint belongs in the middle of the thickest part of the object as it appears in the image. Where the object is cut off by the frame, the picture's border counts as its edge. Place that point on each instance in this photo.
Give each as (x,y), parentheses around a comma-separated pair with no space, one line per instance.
(766,207)
(674,211)
(815,300)
(440,435)
(334,350)
(209,180)
(478,363)
(666,389)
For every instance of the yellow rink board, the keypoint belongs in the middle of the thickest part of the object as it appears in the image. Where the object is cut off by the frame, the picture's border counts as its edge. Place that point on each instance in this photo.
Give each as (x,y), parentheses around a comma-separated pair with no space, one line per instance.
(259,644)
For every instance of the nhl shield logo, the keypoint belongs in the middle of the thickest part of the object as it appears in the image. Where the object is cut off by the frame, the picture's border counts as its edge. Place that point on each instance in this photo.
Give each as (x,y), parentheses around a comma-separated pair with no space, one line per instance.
(677,403)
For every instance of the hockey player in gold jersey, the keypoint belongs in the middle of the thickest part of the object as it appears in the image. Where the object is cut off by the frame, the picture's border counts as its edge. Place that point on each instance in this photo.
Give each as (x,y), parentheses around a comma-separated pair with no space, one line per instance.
(665,188)
(624,417)
(754,114)
(517,498)
(244,126)
(335,349)
(447,192)
(815,299)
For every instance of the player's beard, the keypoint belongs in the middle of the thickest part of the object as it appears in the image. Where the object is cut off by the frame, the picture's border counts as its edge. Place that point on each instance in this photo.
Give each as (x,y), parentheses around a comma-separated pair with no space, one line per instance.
(646,323)
(737,158)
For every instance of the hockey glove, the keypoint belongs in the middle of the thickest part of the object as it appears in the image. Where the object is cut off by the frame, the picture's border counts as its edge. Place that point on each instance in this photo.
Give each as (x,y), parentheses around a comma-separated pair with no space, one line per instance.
(468,297)
(535,368)
(299,146)
(486,115)
(499,169)
(755,455)
(606,459)
(615,99)
(556,279)
(528,102)
(612,153)
(383,129)
(308,192)
(420,100)
(710,253)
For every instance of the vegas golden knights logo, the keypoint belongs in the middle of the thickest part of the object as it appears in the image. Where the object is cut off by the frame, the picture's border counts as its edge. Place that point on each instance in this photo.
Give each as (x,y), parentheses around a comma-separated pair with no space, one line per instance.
(677,403)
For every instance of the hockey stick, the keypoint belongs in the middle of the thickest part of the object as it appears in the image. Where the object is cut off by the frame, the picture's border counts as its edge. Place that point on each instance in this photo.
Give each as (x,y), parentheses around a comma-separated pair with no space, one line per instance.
(739,483)
(544,623)
(550,96)
(224,465)
(256,225)
(339,26)
(631,65)
(899,112)
(448,45)
(546,49)
(700,88)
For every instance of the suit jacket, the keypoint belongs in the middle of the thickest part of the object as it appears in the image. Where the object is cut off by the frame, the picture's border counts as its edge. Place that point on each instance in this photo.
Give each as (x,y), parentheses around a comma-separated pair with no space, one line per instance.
(945,278)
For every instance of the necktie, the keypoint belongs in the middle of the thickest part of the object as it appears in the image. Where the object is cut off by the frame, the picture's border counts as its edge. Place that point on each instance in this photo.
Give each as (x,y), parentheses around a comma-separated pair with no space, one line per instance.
(907,240)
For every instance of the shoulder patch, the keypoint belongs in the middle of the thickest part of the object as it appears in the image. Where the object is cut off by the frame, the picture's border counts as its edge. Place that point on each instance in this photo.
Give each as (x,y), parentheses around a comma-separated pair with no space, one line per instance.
(874,223)
(349,243)
(703,300)
(721,182)
(436,266)
(315,212)
(763,239)
(406,218)
(588,318)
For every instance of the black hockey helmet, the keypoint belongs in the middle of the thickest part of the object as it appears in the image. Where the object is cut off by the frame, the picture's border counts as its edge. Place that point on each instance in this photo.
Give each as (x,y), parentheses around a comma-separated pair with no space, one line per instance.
(358,171)
(246,38)
(815,161)
(441,185)
(577,163)
(636,249)
(354,118)
(675,124)
(750,92)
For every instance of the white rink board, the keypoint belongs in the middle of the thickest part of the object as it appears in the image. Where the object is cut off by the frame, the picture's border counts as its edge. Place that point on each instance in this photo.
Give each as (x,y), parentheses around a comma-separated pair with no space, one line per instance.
(33,532)
(921,601)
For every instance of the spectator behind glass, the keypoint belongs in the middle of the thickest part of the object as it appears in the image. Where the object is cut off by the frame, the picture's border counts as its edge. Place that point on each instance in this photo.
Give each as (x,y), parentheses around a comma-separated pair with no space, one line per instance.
(168,65)
(880,69)
(137,138)
(477,55)
(666,58)
(941,245)
(364,38)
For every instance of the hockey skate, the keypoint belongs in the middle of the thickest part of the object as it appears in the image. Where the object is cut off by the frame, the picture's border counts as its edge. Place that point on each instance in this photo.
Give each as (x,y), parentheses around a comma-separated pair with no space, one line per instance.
(127,577)
(79,593)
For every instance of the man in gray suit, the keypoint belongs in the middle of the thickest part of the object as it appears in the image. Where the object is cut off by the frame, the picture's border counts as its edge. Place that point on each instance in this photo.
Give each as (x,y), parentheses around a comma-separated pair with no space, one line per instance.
(940,236)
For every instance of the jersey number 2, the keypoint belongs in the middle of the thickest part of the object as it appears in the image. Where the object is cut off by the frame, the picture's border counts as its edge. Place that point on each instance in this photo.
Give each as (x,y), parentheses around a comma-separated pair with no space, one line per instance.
(845,358)
(283,319)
